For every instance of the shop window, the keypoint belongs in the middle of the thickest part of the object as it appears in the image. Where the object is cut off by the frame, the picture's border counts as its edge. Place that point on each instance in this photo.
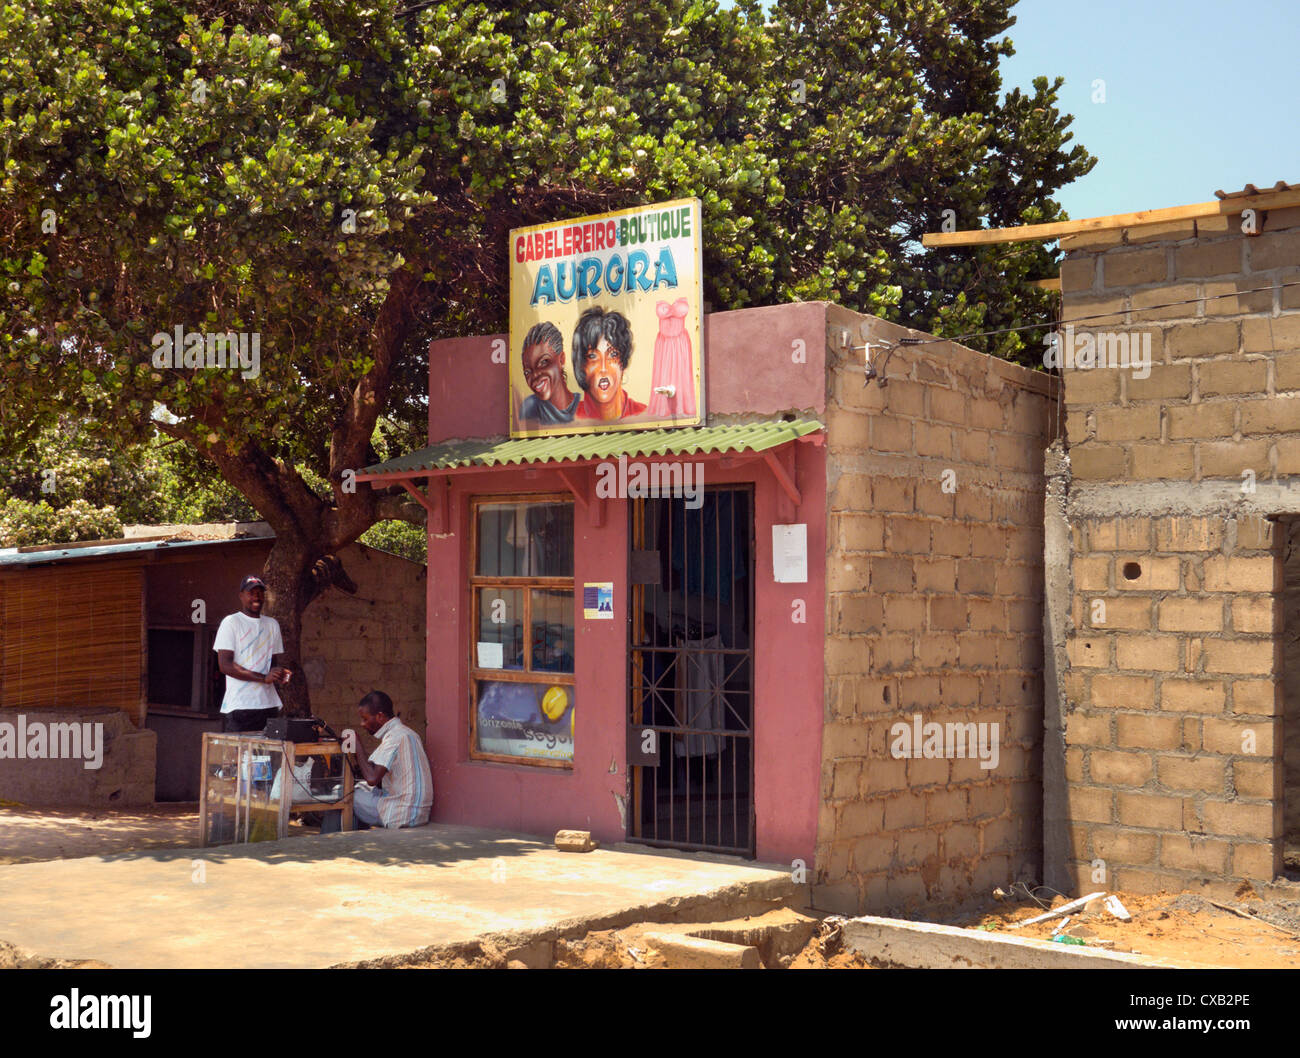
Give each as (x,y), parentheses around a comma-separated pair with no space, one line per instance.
(521,660)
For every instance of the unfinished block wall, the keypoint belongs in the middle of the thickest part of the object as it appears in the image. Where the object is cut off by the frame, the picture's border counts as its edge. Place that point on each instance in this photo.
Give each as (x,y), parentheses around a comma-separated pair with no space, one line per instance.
(1171,699)
(934,608)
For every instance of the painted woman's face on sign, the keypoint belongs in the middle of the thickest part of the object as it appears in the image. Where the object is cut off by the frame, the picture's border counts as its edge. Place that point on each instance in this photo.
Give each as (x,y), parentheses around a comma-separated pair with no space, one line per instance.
(604,372)
(543,371)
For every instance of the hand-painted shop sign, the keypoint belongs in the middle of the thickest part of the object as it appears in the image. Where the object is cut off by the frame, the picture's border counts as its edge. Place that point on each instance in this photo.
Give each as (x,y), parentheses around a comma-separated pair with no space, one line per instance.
(605,322)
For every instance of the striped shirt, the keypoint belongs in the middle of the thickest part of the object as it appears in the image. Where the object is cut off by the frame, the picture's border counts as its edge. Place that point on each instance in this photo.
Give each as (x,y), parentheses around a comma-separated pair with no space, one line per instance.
(408,786)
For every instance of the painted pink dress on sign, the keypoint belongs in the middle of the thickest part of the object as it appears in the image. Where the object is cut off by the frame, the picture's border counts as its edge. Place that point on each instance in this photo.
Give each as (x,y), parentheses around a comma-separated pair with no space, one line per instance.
(672,365)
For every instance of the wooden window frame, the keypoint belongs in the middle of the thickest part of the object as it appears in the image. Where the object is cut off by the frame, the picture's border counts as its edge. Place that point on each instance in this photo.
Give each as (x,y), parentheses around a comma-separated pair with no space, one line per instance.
(525,675)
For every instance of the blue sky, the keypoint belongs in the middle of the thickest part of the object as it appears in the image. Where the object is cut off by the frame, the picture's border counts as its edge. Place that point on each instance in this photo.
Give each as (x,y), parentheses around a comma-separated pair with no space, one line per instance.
(1198,95)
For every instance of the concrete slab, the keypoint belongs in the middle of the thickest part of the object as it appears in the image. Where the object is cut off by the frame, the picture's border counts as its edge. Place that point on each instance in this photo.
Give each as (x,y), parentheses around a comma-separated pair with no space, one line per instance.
(374,897)
(930,946)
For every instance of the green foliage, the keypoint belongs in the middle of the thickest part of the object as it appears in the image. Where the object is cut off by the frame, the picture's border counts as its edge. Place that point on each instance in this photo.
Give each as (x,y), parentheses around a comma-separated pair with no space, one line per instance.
(400,538)
(27,524)
(71,485)
(279,168)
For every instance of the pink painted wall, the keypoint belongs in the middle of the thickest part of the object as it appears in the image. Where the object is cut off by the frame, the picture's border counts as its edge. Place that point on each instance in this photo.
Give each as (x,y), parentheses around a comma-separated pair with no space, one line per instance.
(750,368)
(753,367)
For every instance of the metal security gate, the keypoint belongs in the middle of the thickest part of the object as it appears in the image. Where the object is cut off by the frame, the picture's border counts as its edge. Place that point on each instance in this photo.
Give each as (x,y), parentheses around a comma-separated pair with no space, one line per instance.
(691,671)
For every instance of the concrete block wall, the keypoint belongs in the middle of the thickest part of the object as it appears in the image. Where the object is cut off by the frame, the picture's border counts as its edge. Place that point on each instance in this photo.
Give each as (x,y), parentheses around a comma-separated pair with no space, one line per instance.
(125,775)
(373,640)
(1171,697)
(934,608)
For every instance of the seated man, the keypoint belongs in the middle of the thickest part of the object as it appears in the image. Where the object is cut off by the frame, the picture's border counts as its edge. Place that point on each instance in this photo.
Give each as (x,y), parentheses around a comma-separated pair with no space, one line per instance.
(398,787)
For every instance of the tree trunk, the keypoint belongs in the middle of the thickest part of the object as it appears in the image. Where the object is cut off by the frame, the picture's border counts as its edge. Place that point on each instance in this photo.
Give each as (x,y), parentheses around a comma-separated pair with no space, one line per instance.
(289,589)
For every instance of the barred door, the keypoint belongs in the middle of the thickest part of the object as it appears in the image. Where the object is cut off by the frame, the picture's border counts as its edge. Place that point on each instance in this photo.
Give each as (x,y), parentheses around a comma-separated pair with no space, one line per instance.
(691,671)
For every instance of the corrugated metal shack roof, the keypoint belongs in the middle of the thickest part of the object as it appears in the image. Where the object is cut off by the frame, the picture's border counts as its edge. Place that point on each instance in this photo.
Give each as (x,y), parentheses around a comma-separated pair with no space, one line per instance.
(464,455)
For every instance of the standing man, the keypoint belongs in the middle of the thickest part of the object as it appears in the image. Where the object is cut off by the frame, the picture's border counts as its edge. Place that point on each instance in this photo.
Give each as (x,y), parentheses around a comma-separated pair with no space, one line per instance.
(249,653)
(398,791)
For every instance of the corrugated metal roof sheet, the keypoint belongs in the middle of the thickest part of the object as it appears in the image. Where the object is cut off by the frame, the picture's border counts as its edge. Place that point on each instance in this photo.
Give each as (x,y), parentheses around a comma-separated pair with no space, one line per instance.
(740,437)
(12,556)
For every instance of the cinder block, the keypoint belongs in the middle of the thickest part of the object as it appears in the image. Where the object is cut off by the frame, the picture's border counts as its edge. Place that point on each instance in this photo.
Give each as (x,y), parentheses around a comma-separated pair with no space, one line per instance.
(891,434)
(1089,804)
(1211,338)
(1279,414)
(1091,387)
(1236,819)
(1234,737)
(1082,729)
(1218,258)
(1120,769)
(1241,573)
(1139,653)
(1162,461)
(1288,456)
(1183,852)
(1132,613)
(1191,615)
(893,495)
(1267,335)
(1124,846)
(1227,459)
(936,574)
(1078,274)
(1214,419)
(1257,861)
(934,441)
(1148,731)
(1273,250)
(1257,778)
(1110,691)
(948,405)
(1171,231)
(890,574)
(1095,462)
(1163,302)
(862,532)
(1259,614)
(1257,697)
(1150,810)
(1132,268)
(1218,378)
(1129,424)
(1286,371)
(1192,696)
(1166,381)
(1199,774)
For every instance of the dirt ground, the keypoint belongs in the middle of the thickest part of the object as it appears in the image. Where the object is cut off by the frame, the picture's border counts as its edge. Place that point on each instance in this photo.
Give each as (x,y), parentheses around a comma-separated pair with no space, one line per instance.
(1178,926)
(31,835)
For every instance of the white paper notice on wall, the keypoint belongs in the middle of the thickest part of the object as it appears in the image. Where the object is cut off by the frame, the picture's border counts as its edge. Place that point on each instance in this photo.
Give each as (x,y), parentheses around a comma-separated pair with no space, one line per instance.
(790,554)
(491,656)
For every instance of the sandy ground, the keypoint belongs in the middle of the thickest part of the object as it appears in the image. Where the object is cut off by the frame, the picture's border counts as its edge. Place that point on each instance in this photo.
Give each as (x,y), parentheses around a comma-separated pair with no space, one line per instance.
(373,898)
(32,835)
(1179,926)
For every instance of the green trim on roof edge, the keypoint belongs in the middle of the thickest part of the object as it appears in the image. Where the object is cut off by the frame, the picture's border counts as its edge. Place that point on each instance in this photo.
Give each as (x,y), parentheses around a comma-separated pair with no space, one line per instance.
(695,440)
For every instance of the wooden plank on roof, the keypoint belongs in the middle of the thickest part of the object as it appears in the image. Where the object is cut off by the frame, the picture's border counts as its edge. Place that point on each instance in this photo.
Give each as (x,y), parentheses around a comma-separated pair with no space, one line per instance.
(1056,229)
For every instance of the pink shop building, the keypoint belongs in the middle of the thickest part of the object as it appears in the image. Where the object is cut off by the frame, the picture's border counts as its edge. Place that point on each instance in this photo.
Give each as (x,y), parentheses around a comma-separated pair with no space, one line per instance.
(717,667)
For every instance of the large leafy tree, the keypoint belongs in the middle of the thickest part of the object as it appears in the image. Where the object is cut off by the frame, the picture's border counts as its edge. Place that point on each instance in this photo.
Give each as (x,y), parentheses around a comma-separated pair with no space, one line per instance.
(338,178)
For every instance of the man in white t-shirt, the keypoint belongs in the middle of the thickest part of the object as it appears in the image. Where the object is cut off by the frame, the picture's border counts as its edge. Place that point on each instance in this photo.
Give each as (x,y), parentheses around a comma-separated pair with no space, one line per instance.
(249,653)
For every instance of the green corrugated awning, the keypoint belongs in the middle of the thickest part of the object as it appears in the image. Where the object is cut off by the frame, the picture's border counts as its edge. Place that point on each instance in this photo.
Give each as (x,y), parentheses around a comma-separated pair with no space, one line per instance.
(699,440)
